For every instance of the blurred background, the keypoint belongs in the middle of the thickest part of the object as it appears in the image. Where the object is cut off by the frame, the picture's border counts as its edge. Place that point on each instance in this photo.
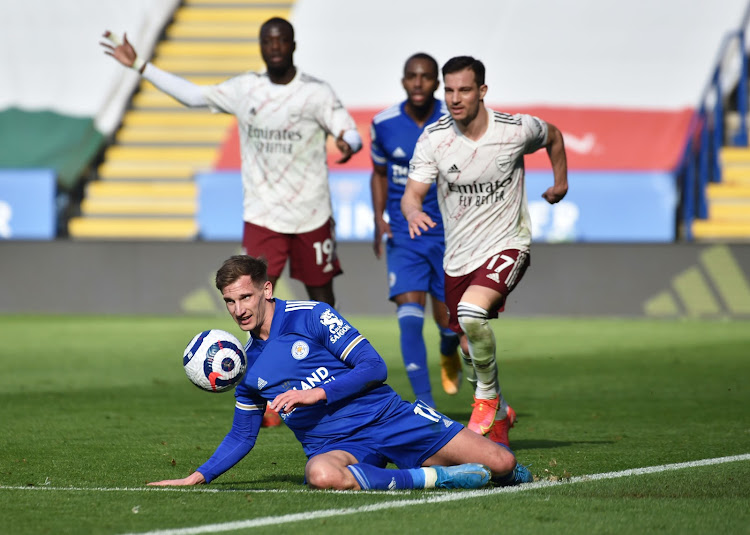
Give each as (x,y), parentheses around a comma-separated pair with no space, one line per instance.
(115,199)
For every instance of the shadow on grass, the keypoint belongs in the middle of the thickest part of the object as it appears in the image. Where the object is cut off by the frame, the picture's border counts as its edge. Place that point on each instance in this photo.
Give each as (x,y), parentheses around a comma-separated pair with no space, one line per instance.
(518,445)
(263,483)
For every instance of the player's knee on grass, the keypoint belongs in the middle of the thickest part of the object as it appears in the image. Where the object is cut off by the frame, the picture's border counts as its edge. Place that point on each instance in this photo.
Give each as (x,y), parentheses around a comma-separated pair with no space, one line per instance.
(504,461)
(326,476)
(474,323)
(478,449)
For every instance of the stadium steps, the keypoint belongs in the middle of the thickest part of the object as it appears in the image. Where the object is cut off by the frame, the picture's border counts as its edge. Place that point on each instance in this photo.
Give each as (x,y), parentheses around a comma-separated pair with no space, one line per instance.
(135,228)
(728,200)
(145,187)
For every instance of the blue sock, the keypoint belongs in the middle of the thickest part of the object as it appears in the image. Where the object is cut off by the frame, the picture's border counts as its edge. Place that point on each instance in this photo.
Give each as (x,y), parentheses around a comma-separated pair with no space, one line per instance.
(414,351)
(509,479)
(448,341)
(371,477)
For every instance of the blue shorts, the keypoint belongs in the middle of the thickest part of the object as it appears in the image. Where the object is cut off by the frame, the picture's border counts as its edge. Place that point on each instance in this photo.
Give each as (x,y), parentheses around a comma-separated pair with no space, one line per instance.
(416,269)
(407,434)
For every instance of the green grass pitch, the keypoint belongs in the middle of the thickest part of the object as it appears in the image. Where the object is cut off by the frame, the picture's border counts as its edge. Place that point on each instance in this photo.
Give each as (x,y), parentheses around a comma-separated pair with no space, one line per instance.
(92,408)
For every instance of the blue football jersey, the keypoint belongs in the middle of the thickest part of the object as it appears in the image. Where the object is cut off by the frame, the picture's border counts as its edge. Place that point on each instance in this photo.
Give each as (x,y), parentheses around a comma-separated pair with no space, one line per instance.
(311,345)
(394,135)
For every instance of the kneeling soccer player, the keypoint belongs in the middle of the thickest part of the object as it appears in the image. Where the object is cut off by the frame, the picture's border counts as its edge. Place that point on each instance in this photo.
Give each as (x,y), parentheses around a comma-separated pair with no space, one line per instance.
(328,384)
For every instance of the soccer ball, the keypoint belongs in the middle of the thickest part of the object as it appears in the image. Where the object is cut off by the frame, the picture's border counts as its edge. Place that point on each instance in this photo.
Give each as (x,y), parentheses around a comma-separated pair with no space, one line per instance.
(214,360)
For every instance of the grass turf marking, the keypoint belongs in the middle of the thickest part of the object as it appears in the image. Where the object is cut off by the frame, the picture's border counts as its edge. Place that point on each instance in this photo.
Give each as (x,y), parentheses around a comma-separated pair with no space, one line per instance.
(444,497)
(434,498)
(526,486)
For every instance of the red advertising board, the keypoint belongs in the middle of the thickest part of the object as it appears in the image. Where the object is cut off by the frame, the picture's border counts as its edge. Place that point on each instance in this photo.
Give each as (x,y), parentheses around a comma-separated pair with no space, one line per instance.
(595,139)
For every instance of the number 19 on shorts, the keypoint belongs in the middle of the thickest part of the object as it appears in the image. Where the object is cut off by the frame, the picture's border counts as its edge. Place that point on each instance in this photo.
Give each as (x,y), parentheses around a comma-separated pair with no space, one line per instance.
(323,251)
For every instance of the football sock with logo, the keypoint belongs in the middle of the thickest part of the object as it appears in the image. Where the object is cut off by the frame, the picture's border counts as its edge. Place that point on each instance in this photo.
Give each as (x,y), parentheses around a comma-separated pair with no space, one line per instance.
(372,477)
(414,351)
(481,339)
(448,341)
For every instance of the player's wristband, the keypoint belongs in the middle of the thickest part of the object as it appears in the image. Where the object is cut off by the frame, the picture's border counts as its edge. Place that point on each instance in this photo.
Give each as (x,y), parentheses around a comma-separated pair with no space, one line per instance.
(138,64)
(353,139)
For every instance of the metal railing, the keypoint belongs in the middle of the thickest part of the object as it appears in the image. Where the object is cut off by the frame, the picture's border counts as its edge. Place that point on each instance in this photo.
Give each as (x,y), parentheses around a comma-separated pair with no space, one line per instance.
(700,162)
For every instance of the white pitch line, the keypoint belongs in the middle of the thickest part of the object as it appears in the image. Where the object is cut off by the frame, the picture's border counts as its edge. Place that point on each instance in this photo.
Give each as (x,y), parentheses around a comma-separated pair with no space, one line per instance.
(434,498)
(143,489)
(192,490)
(445,497)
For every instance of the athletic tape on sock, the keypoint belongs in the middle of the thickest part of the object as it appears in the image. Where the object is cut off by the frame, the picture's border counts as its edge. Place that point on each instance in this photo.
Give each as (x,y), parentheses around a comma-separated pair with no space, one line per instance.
(430,477)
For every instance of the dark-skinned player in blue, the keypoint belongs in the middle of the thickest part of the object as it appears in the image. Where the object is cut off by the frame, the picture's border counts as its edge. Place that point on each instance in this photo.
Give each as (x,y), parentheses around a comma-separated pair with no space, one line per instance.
(415,267)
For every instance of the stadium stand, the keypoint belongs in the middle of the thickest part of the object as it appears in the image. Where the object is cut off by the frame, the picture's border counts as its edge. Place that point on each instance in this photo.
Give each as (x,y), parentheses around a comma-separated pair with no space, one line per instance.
(728,200)
(145,187)
(715,172)
(626,139)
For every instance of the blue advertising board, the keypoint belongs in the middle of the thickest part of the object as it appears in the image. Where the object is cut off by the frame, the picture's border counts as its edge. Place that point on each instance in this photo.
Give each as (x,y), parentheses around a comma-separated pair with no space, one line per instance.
(27,204)
(611,206)
(600,207)
(220,206)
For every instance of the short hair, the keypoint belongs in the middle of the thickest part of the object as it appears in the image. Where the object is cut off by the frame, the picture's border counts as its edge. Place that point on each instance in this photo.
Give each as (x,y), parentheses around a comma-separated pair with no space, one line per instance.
(238,266)
(424,56)
(274,21)
(460,63)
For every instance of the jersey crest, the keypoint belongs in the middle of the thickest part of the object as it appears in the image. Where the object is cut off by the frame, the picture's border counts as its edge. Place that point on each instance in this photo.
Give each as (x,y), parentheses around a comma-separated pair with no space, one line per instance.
(300,349)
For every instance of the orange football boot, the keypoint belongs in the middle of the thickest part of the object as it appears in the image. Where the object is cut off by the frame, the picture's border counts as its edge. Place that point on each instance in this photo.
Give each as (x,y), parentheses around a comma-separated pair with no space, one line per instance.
(271,418)
(499,430)
(450,372)
(483,415)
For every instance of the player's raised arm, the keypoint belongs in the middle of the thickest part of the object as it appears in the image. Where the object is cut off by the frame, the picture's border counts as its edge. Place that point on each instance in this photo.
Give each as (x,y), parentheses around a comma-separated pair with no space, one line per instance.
(411,207)
(182,90)
(558,159)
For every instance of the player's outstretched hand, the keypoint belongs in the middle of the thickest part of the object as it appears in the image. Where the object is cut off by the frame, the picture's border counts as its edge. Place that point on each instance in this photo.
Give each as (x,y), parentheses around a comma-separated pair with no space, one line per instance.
(122,51)
(344,148)
(419,222)
(555,194)
(287,401)
(196,478)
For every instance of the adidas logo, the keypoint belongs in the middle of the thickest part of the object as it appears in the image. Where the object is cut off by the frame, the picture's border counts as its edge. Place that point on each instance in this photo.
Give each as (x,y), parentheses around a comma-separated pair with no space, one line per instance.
(261,383)
(494,276)
(714,287)
(392,484)
(413,367)
(399,153)
(454,169)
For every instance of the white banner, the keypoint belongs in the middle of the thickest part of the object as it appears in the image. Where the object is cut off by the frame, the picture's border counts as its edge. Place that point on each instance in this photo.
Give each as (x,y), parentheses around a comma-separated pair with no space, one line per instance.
(50,58)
